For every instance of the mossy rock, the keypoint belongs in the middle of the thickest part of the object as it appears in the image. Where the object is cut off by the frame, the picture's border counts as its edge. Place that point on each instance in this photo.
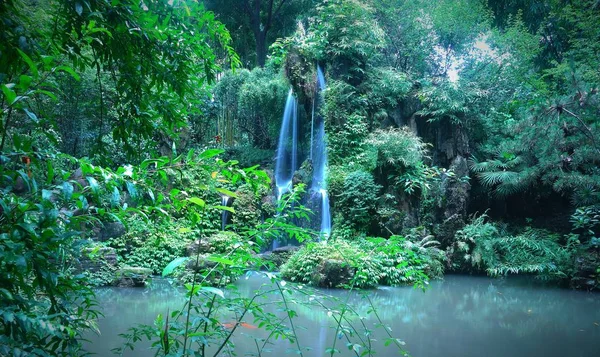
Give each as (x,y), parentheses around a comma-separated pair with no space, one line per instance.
(279,256)
(133,276)
(332,273)
(221,242)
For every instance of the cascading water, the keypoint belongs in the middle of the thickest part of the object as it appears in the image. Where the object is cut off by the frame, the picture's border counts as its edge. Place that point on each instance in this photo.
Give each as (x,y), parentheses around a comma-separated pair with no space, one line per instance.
(287,148)
(320,78)
(287,151)
(319,160)
(225,213)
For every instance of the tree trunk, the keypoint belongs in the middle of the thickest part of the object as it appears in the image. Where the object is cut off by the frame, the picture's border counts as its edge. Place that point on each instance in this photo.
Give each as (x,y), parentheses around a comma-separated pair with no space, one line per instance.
(261,48)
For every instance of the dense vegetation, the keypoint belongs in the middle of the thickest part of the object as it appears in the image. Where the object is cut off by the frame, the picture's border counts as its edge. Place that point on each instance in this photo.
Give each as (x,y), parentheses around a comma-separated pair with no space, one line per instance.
(466,145)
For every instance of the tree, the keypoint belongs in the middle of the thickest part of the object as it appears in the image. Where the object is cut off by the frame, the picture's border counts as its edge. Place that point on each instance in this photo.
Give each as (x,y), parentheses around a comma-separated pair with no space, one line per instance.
(264,19)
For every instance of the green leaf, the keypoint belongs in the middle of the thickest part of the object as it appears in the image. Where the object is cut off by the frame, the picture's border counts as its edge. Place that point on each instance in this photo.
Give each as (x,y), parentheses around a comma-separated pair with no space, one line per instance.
(93,185)
(190,155)
(9,94)
(226,192)
(115,198)
(78,8)
(27,59)
(70,71)
(212,290)
(131,189)
(151,194)
(67,190)
(224,208)
(173,265)
(31,115)
(207,154)
(5,208)
(197,201)
(46,195)
(49,172)
(220,260)
(24,82)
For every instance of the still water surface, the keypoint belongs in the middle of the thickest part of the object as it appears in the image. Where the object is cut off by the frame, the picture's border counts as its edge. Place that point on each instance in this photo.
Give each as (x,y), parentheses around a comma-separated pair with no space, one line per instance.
(461,316)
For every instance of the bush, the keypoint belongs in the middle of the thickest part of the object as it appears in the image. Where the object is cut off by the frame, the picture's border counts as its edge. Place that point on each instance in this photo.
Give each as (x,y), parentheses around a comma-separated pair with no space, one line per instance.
(407,262)
(358,199)
(465,253)
(533,251)
(152,245)
(398,147)
(366,263)
(335,264)
(205,253)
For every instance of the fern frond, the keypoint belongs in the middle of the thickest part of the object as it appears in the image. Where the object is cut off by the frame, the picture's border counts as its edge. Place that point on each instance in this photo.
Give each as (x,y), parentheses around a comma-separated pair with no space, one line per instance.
(492,178)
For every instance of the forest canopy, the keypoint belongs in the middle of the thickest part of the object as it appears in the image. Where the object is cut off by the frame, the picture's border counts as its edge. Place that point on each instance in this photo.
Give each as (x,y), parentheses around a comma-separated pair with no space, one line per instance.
(461,136)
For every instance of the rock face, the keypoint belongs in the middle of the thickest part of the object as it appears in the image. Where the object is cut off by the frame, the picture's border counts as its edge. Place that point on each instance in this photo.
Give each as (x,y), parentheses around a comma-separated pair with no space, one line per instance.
(133,276)
(96,259)
(450,150)
(452,214)
(587,276)
(109,230)
(99,265)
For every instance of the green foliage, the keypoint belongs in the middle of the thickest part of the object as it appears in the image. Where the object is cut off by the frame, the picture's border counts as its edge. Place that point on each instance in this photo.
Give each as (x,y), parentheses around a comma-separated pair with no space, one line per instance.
(407,261)
(250,107)
(344,34)
(335,264)
(366,263)
(357,199)
(152,245)
(346,123)
(398,147)
(506,174)
(465,252)
(386,88)
(532,251)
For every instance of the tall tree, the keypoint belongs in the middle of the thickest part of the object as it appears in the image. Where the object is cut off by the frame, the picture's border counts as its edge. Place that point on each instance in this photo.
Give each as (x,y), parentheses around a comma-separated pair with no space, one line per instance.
(264,19)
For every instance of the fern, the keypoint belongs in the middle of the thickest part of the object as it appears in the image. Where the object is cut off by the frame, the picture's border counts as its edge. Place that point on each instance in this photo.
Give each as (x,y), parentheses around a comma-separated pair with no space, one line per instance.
(506,174)
(533,251)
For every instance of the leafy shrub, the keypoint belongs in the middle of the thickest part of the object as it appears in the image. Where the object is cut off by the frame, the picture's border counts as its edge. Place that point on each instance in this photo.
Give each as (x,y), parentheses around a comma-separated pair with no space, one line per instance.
(398,147)
(387,87)
(533,251)
(407,262)
(346,123)
(465,252)
(205,254)
(335,264)
(358,199)
(366,263)
(152,245)
(536,251)
(247,207)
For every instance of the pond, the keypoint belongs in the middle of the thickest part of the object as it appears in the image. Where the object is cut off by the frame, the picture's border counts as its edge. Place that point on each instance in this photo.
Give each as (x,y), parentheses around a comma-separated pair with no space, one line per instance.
(460,316)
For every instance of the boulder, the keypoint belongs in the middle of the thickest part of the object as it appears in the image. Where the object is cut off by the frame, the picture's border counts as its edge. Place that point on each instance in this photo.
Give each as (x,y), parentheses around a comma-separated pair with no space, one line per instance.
(280,255)
(587,276)
(109,230)
(133,276)
(96,259)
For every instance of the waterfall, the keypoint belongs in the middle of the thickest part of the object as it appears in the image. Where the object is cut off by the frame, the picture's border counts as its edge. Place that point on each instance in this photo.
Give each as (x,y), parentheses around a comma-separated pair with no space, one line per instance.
(320,78)
(225,213)
(287,148)
(319,160)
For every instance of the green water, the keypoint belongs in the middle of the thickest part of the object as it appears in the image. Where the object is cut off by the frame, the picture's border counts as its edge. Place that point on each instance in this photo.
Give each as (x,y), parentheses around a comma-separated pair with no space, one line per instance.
(460,316)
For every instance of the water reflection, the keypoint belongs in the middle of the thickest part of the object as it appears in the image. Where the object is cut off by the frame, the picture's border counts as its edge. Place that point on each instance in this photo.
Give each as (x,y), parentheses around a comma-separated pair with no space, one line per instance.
(461,316)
